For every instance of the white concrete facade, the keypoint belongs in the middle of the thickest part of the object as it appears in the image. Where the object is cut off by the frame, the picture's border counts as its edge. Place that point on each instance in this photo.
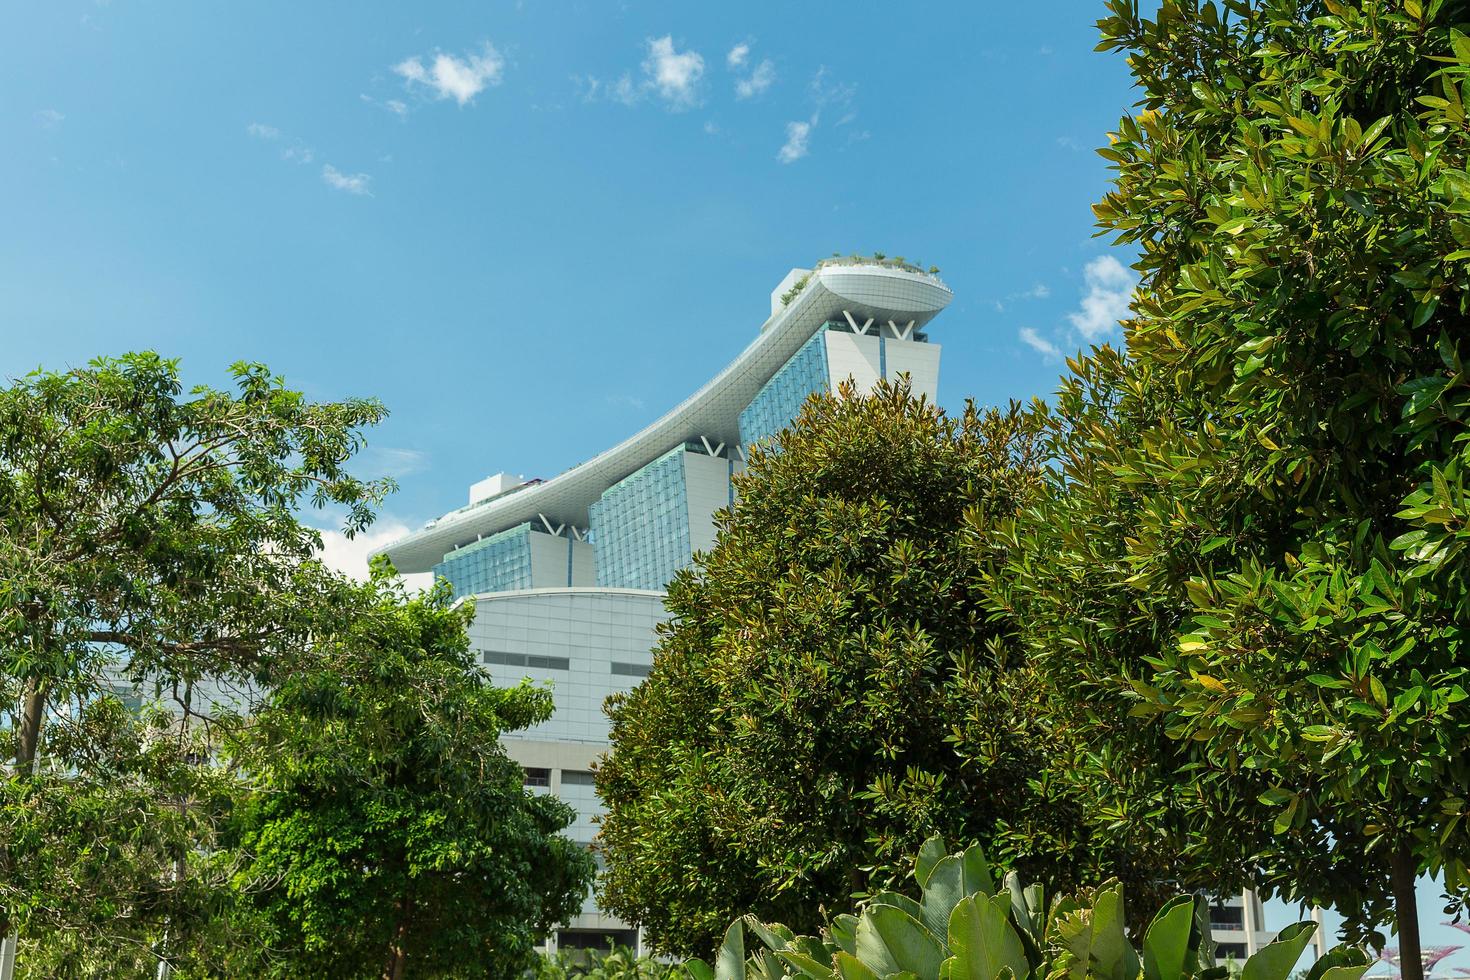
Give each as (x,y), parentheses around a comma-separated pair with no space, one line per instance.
(586,643)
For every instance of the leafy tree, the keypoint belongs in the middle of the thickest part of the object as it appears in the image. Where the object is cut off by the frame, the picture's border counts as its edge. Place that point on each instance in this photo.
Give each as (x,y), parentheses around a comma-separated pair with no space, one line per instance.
(389,830)
(150,537)
(830,690)
(127,844)
(1246,583)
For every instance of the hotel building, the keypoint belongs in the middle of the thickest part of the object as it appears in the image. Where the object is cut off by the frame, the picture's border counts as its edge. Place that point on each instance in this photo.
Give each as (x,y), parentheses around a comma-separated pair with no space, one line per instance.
(568,574)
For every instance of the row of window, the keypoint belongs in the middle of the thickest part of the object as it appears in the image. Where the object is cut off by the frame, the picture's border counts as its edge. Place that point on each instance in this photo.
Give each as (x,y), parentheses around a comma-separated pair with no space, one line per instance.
(641,526)
(526,660)
(569,777)
(779,401)
(504,659)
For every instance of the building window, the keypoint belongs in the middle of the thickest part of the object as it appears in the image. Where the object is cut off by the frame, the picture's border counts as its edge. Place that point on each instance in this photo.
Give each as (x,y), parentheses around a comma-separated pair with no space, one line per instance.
(524,660)
(537,777)
(577,777)
(1230,951)
(586,939)
(631,670)
(1227,917)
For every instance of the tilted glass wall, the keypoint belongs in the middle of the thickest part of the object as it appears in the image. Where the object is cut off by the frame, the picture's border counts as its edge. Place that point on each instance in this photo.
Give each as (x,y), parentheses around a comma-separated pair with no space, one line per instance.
(776,404)
(499,563)
(640,526)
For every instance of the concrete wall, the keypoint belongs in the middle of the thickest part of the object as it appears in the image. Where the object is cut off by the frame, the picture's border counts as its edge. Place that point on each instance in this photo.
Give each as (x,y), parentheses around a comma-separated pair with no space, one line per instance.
(921,361)
(707,489)
(549,561)
(852,356)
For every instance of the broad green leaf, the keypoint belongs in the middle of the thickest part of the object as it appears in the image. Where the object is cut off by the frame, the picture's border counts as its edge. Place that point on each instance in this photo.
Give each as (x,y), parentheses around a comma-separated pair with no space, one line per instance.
(898,901)
(931,852)
(889,940)
(1340,963)
(806,964)
(730,960)
(849,967)
(983,940)
(699,969)
(1276,960)
(843,930)
(942,892)
(1112,956)
(777,937)
(978,877)
(1166,943)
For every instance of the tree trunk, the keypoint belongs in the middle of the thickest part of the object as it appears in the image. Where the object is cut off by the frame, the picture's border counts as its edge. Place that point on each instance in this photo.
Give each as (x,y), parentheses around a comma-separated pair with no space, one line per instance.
(1406,908)
(397,955)
(28,743)
(32,713)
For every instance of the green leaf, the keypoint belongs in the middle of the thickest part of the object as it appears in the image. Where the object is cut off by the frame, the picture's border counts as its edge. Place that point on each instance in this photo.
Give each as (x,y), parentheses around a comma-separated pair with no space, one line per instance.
(849,967)
(942,893)
(889,940)
(978,876)
(1276,960)
(730,959)
(931,852)
(983,940)
(1350,962)
(843,930)
(1166,943)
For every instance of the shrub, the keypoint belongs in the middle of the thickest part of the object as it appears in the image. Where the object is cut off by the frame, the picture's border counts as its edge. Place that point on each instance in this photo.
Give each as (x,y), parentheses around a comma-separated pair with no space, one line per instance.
(965,927)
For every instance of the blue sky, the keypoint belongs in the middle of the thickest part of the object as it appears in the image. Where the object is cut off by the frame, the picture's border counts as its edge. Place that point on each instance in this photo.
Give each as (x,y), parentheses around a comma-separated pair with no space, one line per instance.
(531,228)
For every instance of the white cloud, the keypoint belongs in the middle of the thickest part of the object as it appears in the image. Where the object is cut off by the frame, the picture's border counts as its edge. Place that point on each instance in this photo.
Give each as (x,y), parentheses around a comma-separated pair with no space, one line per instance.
(624,91)
(49,118)
(293,150)
(350,555)
(711,127)
(390,461)
(449,77)
(738,56)
(351,183)
(1040,344)
(824,92)
(795,147)
(1109,288)
(396,106)
(674,74)
(760,79)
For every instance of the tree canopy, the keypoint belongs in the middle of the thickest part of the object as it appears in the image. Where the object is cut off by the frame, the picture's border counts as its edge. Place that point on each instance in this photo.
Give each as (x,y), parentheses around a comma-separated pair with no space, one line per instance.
(830,689)
(388,832)
(148,538)
(1245,581)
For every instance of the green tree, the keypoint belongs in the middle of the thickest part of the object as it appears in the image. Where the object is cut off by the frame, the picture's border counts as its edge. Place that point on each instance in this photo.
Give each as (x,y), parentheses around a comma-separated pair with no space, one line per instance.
(830,689)
(388,829)
(1246,583)
(151,537)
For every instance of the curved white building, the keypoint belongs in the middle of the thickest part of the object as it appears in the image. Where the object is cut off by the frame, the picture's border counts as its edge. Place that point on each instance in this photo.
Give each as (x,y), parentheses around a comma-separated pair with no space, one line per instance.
(568,574)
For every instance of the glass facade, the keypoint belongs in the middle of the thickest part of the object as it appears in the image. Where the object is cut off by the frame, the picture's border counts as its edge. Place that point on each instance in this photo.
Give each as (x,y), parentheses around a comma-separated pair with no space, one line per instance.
(781,399)
(640,526)
(499,563)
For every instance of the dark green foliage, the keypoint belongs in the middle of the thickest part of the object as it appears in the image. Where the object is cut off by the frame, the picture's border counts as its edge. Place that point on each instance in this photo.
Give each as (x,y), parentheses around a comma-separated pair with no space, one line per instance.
(831,690)
(388,828)
(1247,583)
